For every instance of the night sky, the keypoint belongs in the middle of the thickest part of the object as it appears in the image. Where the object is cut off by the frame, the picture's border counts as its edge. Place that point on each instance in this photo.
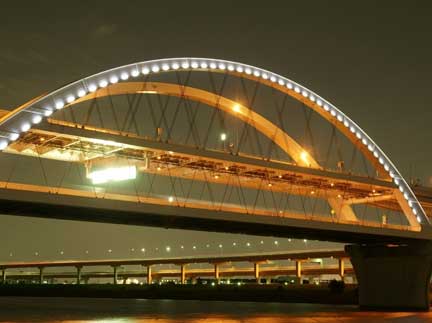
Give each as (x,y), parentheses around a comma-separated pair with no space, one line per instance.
(372,59)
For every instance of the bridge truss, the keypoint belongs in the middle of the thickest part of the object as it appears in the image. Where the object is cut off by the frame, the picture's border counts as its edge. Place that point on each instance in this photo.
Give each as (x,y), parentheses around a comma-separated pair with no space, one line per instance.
(207,135)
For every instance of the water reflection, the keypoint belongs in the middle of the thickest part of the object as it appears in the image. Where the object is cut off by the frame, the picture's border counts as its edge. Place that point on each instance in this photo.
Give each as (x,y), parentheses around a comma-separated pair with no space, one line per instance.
(79,310)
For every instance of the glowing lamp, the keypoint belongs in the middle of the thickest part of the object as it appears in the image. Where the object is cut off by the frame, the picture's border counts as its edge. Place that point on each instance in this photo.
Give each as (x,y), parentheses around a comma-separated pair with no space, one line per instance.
(113,174)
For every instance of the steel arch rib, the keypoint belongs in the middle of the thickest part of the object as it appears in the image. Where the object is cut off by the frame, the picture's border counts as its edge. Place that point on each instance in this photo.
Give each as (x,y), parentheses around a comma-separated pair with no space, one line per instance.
(247,115)
(21,119)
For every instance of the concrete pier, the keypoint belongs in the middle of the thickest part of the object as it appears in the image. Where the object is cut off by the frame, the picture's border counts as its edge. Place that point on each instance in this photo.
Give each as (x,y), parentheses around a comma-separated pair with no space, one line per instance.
(299,270)
(216,272)
(393,277)
(115,274)
(149,274)
(183,273)
(341,267)
(41,276)
(78,277)
(257,272)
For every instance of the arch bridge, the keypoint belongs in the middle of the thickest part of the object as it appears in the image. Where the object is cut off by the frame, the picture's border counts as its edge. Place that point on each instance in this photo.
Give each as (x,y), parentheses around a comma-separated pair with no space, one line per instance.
(215,145)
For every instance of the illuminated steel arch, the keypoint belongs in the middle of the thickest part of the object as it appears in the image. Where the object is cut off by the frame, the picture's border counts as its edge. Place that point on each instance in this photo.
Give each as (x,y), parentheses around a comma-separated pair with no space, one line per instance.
(247,115)
(21,119)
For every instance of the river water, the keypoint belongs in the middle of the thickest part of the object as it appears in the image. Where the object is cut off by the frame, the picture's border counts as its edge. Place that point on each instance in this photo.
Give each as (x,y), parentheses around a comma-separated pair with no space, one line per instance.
(76,310)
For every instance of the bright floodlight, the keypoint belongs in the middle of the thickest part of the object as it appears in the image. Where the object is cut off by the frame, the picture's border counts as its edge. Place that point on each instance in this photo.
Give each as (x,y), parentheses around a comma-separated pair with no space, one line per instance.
(70,99)
(223,136)
(13,136)
(92,87)
(25,127)
(113,79)
(236,108)
(304,157)
(3,144)
(36,119)
(81,93)
(103,83)
(59,105)
(113,174)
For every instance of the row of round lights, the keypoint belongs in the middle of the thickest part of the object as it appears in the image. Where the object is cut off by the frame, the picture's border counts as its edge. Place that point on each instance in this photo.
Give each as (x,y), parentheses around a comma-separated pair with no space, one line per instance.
(335,113)
(182,247)
(231,67)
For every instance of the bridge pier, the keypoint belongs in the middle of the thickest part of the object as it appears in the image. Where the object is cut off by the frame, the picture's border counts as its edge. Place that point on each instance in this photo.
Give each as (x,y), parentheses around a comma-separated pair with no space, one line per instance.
(216,273)
(183,273)
(115,274)
(78,277)
(257,272)
(299,270)
(3,280)
(149,275)
(341,268)
(41,277)
(393,277)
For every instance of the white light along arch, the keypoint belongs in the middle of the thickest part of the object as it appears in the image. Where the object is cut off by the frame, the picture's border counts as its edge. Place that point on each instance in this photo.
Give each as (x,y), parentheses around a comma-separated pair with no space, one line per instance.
(21,119)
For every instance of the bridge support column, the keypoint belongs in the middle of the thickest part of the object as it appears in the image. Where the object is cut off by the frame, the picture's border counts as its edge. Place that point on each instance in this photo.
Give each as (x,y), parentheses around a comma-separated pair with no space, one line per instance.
(257,272)
(299,270)
(341,268)
(115,274)
(216,272)
(393,277)
(149,275)
(183,273)
(78,276)
(41,277)
(3,280)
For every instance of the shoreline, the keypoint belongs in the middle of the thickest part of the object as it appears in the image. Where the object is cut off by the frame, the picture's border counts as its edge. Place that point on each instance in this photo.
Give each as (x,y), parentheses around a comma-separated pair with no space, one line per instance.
(245,293)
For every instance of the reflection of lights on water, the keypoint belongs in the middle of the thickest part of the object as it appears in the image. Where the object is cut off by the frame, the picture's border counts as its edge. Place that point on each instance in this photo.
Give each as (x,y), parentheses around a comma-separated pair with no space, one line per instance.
(108,320)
